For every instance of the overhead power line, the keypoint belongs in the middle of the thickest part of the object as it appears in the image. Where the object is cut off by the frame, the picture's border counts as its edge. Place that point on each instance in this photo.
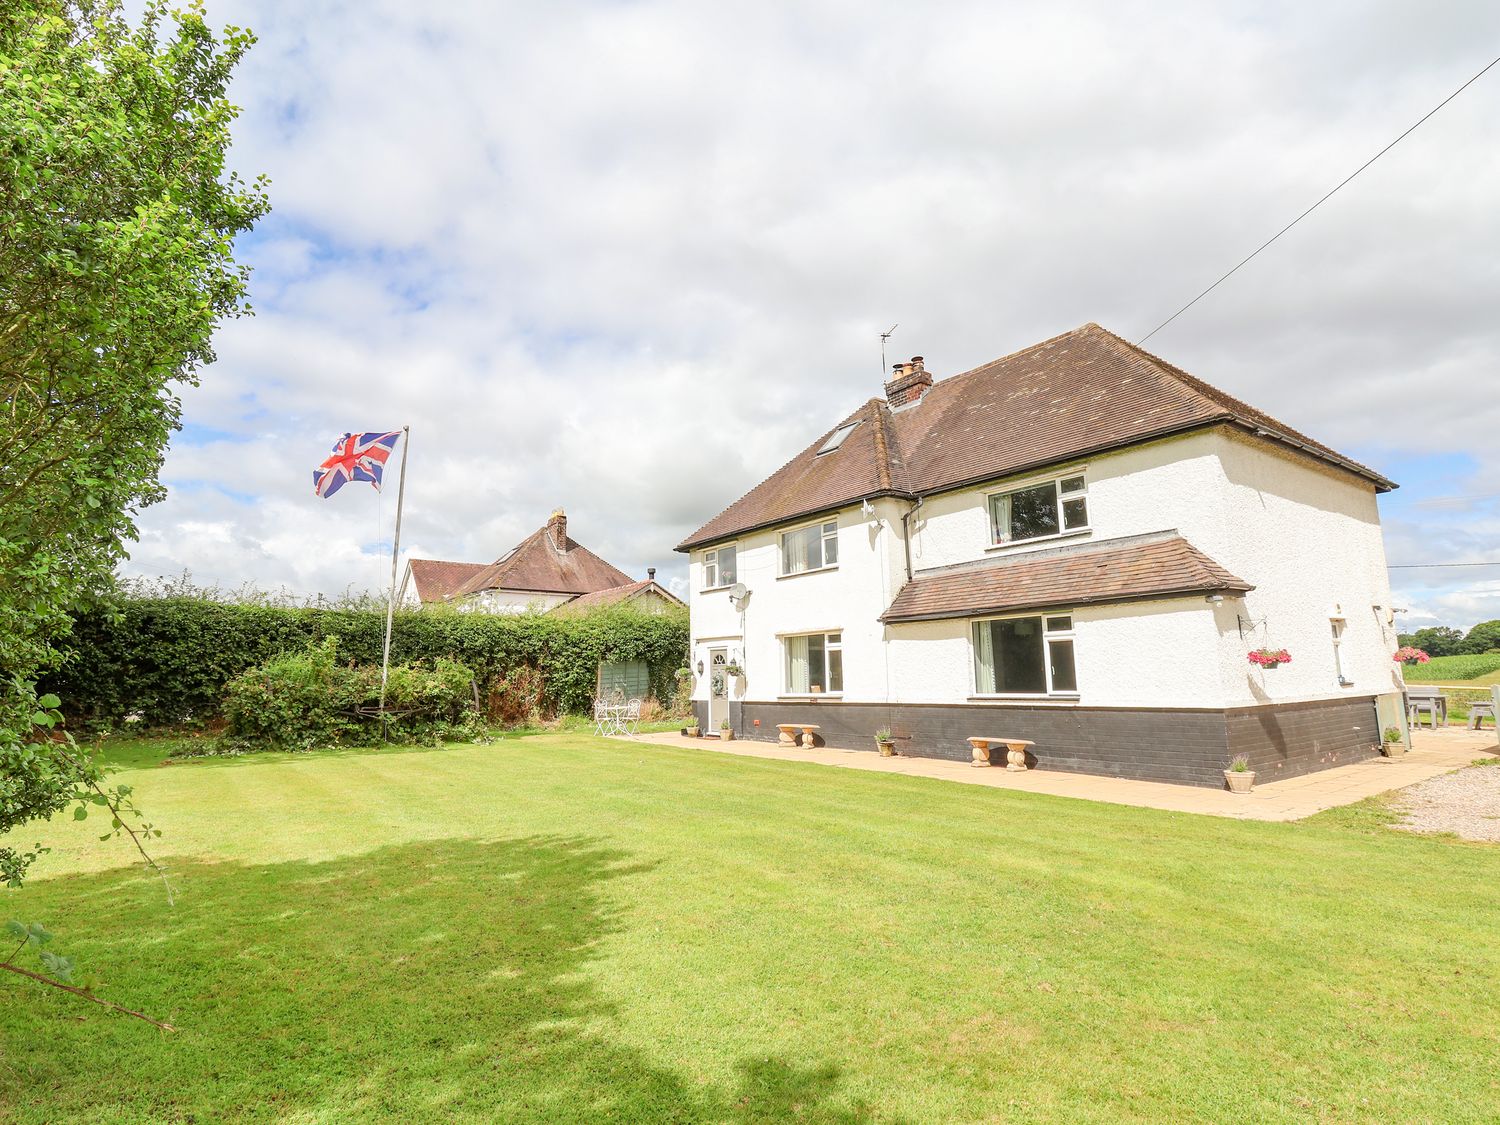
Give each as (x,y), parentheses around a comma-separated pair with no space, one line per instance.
(1427,566)
(1318,204)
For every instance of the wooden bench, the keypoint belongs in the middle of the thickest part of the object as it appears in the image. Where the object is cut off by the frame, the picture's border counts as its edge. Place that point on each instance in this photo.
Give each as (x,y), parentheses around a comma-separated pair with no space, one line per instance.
(787,733)
(1015,751)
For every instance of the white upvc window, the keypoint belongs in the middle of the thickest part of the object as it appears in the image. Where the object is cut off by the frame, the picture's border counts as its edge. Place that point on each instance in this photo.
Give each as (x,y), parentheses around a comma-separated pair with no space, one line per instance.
(1040,511)
(1337,626)
(814,664)
(1030,655)
(815,547)
(720,568)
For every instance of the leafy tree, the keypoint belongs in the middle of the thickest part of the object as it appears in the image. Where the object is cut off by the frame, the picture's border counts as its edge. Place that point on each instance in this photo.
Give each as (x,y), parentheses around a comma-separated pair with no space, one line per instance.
(1436,640)
(117,220)
(1484,637)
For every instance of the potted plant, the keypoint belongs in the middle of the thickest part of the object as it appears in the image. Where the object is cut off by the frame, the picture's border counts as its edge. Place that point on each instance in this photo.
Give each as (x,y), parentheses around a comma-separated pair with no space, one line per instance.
(1270,657)
(1394,745)
(734,669)
(885,743)
(1408,655)
(691,730)
(1239,775)
(726,732)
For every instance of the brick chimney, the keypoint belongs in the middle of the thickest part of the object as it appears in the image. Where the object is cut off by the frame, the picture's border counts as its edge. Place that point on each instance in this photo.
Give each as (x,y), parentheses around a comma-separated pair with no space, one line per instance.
(909,382)
(557,530)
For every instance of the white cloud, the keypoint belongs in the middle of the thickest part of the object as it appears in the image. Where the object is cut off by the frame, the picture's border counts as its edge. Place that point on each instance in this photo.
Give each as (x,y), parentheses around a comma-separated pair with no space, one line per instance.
(628,258)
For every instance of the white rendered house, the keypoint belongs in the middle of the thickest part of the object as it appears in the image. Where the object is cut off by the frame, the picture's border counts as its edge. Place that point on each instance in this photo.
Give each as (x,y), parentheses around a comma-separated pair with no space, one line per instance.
(546,571)
(1078,545)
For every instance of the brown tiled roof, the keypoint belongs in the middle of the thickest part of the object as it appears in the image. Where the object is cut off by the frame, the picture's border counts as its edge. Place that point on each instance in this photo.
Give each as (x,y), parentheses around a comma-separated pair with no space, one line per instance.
(535,566)
(1138,567)
(614,596)
(1080,393)
(437,581)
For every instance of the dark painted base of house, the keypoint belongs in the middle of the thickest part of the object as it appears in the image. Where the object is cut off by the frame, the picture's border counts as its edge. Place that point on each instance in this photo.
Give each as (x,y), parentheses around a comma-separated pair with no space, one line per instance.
(1190,747)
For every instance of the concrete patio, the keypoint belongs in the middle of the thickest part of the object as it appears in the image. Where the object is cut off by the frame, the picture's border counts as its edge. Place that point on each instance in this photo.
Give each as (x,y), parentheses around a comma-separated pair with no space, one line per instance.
(1434,752)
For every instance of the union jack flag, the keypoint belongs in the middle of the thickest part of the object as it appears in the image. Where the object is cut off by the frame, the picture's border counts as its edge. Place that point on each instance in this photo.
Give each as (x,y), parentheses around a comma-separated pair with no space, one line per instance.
(355,457)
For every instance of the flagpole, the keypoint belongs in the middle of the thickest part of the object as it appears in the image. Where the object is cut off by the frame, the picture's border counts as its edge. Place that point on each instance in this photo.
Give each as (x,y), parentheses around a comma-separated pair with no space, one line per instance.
(390,605)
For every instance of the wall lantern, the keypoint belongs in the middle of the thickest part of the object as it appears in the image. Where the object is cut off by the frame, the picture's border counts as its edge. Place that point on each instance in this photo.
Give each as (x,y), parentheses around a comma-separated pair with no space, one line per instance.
(700,667)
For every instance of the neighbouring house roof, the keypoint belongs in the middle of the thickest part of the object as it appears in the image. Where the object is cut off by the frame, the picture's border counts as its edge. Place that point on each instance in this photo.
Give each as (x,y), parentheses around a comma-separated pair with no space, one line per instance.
(1135,568)
(437,581)
(617,595)
(1083,392)
(537,566)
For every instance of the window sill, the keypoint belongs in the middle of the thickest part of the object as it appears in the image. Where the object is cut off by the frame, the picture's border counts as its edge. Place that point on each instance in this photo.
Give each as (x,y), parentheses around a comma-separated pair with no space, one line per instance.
(1058,697)
(1071,534)
(809,697)
(805,573)
(716,589)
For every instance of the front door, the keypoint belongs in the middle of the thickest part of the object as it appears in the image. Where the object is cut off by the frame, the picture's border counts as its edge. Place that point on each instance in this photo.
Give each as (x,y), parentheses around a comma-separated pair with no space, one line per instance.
(718,688)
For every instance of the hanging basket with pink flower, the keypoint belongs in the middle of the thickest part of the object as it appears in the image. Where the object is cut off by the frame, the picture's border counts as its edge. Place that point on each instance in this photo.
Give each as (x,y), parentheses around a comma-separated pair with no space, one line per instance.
(1270,657)
(1406,654)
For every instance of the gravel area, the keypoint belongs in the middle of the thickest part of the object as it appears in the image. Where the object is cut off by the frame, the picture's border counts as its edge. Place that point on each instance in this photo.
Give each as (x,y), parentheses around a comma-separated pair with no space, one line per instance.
(1465,802)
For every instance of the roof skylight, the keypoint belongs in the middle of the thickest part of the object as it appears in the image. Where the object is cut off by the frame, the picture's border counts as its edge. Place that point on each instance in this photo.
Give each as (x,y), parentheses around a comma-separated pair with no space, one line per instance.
(836,439)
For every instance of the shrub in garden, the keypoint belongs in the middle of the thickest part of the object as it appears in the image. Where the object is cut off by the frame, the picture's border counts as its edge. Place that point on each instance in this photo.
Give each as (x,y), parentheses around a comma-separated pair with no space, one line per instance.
(168,659)
(310,697)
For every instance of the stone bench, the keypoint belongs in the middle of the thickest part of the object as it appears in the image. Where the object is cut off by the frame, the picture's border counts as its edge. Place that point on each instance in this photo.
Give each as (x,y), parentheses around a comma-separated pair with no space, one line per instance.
(1015,751)
(787,733)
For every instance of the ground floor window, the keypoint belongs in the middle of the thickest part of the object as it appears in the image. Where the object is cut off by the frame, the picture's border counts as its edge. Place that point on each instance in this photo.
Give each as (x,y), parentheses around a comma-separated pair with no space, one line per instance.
(814,663)
(1337,625)
(1030,655)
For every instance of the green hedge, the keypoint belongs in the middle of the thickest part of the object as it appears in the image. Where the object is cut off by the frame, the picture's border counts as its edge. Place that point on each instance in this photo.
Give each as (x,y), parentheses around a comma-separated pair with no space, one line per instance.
(169,658)
(300,700)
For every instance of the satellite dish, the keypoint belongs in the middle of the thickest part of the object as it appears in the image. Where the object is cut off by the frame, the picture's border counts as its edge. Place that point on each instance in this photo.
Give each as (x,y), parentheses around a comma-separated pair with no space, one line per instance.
(739,591)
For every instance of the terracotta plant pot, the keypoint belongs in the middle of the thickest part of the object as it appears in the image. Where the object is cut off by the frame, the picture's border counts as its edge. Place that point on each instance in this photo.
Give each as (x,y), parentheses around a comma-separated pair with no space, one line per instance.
(1240,782)
(887,749)
(1394,749)
(726,735)
(691,732)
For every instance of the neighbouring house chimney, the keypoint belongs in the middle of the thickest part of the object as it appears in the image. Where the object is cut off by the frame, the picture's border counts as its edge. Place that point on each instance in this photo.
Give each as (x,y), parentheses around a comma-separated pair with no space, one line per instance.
(909,382)
(557,530)
(651,574)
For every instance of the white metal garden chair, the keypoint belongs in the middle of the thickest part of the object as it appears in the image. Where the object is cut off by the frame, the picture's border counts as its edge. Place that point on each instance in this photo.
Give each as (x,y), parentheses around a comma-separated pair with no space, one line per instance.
(632,718)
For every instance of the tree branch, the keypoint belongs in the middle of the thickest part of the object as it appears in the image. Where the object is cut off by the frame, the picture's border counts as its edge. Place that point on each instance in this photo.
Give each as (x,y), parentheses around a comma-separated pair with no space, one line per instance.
(119,818)
(84,993)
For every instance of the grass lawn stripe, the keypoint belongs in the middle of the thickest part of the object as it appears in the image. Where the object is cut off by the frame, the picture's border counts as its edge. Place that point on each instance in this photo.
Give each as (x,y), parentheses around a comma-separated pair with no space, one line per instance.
(559,928)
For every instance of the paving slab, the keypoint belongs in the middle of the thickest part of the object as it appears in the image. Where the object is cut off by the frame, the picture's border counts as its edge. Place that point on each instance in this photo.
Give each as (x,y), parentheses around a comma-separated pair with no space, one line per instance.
(1434,752)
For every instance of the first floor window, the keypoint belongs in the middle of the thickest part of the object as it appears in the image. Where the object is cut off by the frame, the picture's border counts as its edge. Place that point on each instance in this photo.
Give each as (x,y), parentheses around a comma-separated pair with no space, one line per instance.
(810,548)
(1025,656)
(814,663)
(1040,511)
(719,568)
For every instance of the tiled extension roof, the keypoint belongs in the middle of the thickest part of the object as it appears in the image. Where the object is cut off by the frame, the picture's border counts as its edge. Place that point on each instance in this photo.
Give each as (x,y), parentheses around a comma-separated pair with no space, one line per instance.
(615,596)
(1084,392)
(536,566)
(1135,568)
(437,581)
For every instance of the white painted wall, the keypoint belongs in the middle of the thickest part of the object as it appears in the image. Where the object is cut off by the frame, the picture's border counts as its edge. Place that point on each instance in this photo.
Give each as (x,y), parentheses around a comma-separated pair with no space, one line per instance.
(512,601)
(1306,536)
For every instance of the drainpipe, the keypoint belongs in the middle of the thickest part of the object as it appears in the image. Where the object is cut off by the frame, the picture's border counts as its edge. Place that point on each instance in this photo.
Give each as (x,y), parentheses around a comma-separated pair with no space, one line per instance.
(906,532)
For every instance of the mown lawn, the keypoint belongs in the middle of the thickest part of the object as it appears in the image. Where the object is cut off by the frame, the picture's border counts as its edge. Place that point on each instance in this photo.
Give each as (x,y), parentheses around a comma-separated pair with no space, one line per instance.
(560,928)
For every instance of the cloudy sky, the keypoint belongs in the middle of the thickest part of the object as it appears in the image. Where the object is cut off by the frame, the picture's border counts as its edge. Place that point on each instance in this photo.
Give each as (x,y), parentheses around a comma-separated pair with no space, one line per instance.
(626,258)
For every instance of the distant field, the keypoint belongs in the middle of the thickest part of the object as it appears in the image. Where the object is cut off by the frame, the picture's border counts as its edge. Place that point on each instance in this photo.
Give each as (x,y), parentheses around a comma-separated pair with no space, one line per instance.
(1476,670)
